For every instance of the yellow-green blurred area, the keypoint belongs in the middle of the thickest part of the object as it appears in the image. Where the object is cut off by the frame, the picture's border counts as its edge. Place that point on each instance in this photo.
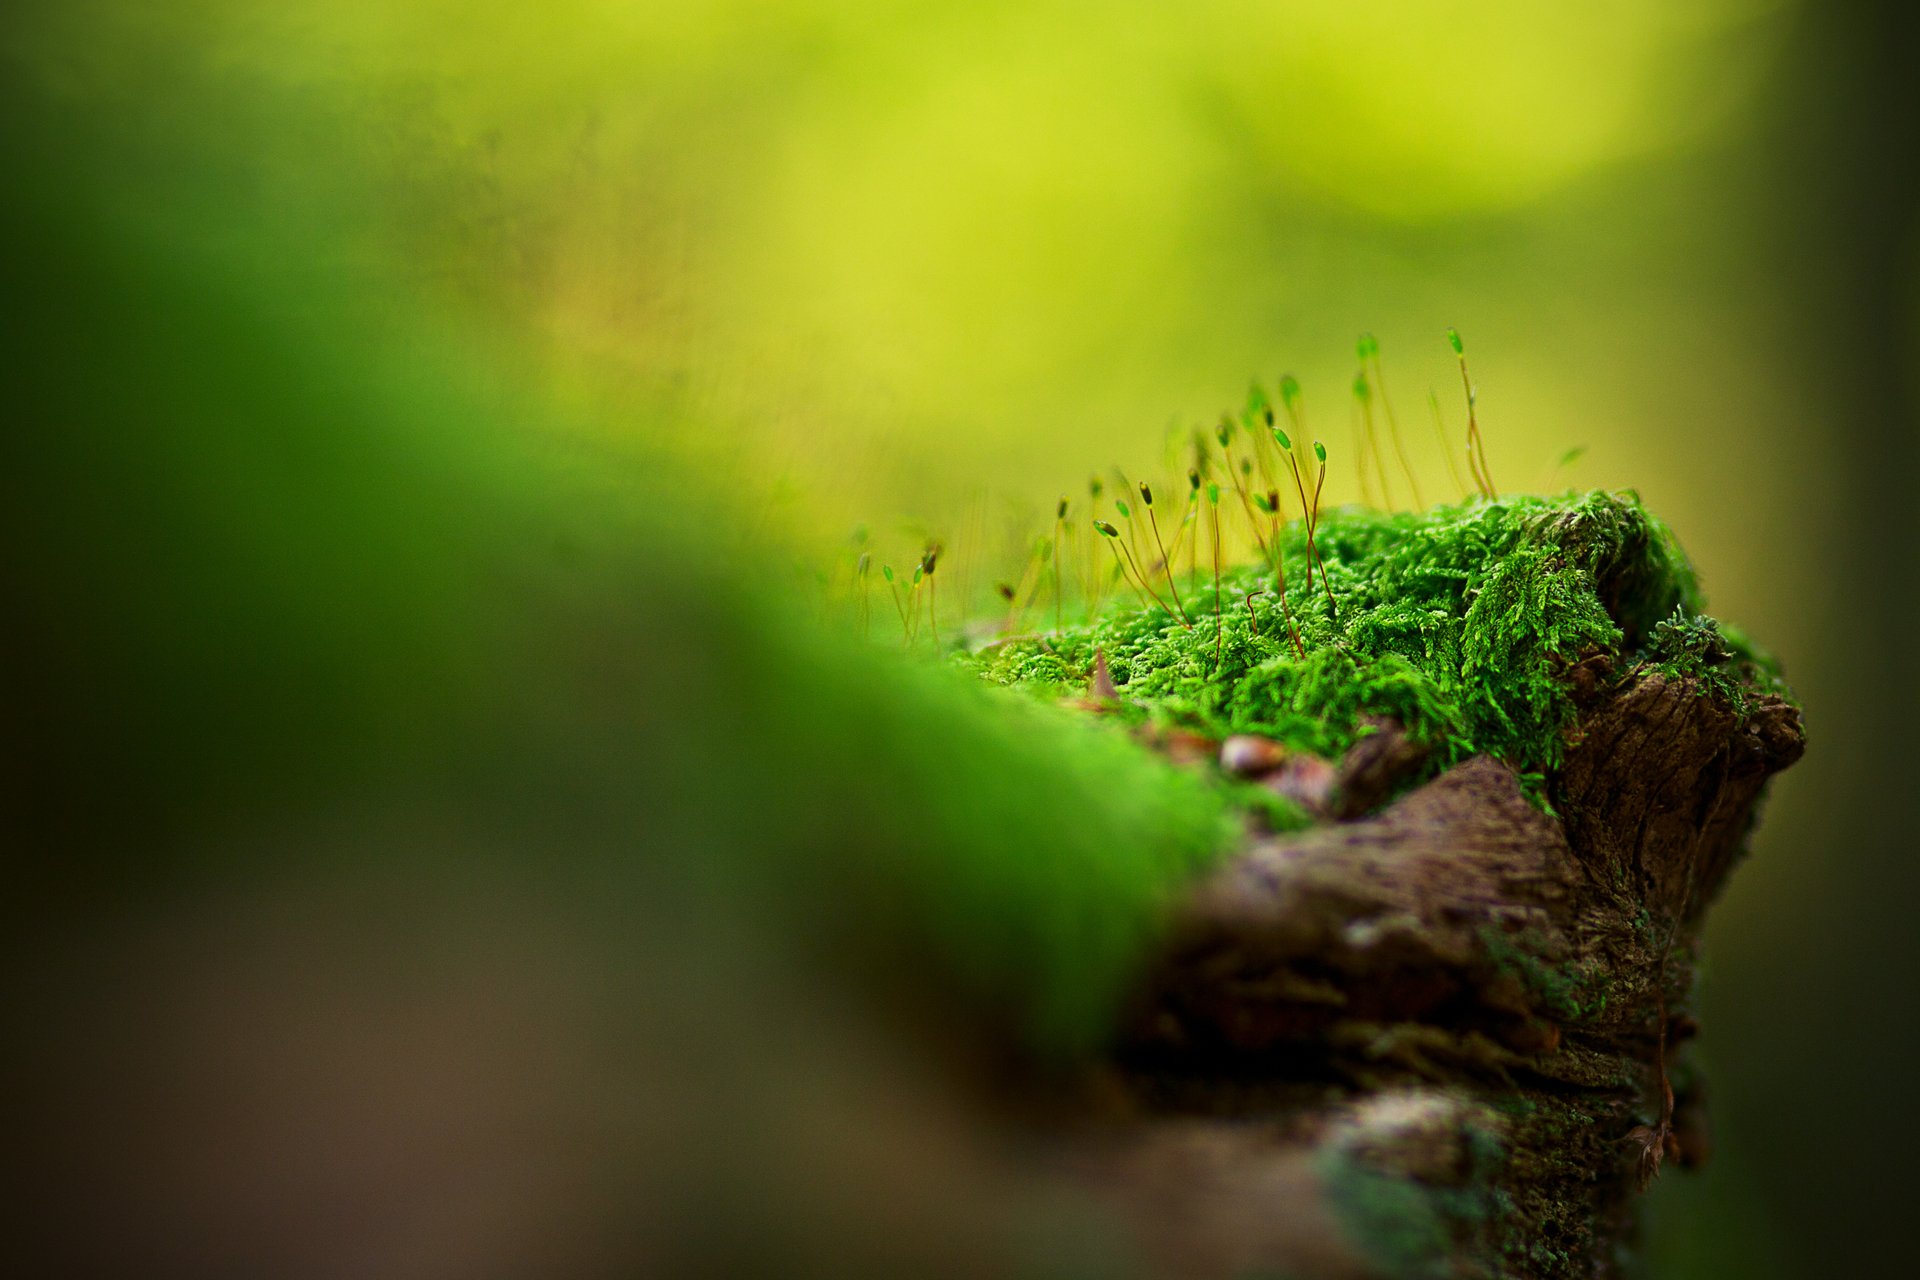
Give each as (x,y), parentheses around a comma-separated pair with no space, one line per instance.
(905,264)
(901,254)
(902,264)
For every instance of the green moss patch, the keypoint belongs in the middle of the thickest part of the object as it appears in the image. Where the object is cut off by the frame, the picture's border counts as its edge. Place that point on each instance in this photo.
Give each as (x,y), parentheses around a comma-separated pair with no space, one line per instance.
(1462,622)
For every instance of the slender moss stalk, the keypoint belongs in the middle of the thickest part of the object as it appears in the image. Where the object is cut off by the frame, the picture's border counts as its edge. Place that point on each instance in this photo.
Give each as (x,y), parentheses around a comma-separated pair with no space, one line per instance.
(906,634)
(1280,572)
(1296,416)
(1307,519)
(927,563)
(1113,537)
(1006,591)
(1166,561)
(913,600)
(1190,530)
(1313,525)
(1476,444)
(1126,511)
(1361,428)
(1446,450)
(1059,520)
(1094,586)
(866,594)
(1234,474)
(1370,350)
(1219,633)
(1133,528)
(1363,400)
(1033,572)
(1258,409)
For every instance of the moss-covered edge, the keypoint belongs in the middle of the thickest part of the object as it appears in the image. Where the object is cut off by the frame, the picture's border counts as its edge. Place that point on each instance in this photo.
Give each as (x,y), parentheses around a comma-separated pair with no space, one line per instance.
(1463,622)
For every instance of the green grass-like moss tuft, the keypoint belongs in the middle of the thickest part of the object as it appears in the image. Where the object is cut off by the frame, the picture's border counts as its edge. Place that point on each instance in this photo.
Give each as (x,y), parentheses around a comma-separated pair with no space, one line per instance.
(1459,621)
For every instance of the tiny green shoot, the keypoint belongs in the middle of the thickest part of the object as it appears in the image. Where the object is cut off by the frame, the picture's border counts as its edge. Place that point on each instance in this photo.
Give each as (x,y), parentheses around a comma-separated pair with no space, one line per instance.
(1476,443)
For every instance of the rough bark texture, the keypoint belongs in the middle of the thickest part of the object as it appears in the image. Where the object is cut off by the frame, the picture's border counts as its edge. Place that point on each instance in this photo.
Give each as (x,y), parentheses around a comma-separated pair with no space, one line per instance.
(1430,1042)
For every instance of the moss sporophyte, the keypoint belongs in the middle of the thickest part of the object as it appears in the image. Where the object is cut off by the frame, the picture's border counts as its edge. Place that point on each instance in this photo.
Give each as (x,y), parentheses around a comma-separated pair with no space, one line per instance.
(1322,662)
(1460,622)
(1466,623)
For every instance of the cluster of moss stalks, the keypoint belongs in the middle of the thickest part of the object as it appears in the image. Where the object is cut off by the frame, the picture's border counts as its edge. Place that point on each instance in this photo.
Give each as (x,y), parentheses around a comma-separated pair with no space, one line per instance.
(1461,622)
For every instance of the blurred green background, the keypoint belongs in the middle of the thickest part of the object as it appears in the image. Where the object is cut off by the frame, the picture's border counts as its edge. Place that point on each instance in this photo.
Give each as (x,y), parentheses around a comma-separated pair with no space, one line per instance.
(909,264)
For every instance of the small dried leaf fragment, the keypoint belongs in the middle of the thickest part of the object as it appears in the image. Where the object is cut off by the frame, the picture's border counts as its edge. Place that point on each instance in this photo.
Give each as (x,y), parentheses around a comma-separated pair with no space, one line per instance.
(1102,688)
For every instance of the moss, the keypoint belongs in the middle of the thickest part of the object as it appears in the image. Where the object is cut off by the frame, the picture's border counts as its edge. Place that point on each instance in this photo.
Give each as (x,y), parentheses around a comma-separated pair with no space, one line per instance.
(1545,1226)
(1399,1224)
(1718,658)
(1567,992)
(1461,622)
(1409,1228)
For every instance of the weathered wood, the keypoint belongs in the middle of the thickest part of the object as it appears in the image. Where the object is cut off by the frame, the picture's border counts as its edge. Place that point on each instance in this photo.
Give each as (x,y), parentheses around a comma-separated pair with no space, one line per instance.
(1431,1042)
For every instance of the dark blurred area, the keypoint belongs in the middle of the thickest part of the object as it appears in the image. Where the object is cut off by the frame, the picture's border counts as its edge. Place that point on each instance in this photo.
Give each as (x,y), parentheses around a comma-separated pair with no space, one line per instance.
(443,841)
(1812,1024)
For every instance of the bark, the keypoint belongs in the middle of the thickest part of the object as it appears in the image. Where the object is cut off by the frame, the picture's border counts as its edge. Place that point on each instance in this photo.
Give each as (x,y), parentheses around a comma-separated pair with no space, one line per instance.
(1437,1041)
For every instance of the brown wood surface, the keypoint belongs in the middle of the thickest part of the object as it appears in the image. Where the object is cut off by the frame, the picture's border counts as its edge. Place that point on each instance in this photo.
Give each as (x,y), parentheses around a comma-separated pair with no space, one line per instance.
(1436,1041)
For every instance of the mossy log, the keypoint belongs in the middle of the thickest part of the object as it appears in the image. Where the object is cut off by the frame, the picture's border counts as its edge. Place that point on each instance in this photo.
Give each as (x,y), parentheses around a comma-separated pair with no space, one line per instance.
(438,855)
(1437,1041)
